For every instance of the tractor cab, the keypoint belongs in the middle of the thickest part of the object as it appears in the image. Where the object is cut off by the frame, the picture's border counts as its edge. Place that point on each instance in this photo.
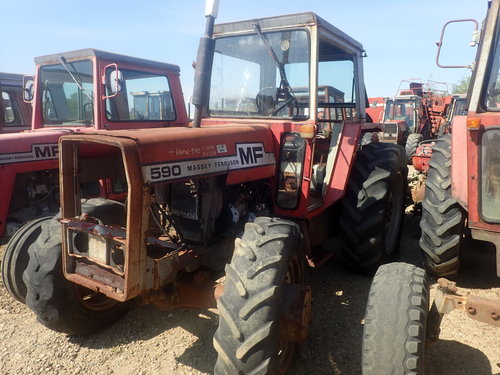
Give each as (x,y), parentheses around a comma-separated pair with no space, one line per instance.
(303,78)
(294,68)
(403,108)
(101,90)
(478,133)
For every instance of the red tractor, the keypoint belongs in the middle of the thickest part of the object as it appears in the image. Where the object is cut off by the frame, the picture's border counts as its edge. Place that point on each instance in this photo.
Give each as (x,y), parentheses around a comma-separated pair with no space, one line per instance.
(414,115)
(462,191)
(15,113)
(78,92)
(227,212)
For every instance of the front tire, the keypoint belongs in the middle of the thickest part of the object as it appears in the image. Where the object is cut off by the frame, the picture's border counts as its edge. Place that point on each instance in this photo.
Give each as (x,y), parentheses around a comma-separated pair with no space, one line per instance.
(394,334)
(15,259)
(373,206)
(265,260)
(442,220)
(58,303)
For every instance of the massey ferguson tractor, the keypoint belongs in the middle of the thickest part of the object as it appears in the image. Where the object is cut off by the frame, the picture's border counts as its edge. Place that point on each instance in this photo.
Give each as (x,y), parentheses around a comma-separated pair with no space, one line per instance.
(462,190)
(226,212)
(76,92)
(15,114)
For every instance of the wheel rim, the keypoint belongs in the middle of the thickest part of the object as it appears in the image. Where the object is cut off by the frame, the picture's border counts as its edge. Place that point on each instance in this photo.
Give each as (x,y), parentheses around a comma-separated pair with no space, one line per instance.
(93,300)
(294,275)
(395,212)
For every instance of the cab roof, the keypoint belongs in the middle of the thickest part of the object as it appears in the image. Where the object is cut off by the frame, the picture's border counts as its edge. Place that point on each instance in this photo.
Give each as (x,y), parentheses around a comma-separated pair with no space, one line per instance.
(90,52)
(11,79)
(286,21)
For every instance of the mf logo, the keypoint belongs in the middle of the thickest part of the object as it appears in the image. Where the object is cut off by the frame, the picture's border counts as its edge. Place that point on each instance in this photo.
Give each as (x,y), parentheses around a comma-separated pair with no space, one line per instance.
(250,154)
(49,151)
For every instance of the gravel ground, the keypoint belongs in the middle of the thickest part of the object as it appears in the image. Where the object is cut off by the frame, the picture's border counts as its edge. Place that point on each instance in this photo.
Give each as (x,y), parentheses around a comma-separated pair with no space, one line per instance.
(151,341)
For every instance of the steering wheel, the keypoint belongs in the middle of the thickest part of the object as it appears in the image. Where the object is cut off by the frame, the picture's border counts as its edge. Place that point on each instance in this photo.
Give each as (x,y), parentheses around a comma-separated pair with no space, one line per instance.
(88,111)
(266,100)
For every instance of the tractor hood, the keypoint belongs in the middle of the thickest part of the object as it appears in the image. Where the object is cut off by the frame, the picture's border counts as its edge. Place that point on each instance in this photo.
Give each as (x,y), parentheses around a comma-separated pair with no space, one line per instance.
(30,146)
(172,154)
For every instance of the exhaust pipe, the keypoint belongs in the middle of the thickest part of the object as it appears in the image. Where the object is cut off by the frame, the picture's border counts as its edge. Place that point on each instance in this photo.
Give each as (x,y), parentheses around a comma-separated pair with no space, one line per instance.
(204,60)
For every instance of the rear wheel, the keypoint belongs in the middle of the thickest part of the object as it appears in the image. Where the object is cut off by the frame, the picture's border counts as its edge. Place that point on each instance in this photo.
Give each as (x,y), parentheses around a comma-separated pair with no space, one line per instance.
(58,303)
(394,333)
(15,259)
(251,338)
(373,206)
(412,143)
(442,220)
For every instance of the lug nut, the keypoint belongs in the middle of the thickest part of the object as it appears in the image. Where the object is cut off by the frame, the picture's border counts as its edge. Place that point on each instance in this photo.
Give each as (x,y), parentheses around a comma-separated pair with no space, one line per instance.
(495,316)
(471,310)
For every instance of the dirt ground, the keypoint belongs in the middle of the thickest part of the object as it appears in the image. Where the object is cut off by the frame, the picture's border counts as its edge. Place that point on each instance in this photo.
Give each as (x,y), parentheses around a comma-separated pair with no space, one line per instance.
(150,341)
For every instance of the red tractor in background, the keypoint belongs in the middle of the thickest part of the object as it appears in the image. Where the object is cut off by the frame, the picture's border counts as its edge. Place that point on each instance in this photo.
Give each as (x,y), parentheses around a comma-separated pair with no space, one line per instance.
(414,115)
(76,92)
(227,212)
(462,191)
(15,113)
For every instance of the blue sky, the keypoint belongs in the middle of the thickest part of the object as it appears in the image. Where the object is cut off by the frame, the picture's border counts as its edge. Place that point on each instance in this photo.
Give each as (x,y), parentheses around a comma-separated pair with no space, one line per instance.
(398,36)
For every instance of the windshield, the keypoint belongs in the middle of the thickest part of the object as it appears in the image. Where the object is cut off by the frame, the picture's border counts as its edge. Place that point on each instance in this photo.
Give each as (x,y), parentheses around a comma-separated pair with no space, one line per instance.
(247,82)
(400,110)
(67,96)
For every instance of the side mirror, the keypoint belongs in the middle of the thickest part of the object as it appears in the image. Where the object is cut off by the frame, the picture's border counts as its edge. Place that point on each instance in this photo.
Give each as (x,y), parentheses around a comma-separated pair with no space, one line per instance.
(113,82)
(474,41)
(28,88)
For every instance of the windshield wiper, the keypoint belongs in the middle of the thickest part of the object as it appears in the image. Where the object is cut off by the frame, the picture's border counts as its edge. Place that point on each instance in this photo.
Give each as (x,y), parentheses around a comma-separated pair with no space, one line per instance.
(62,60)
(284,84)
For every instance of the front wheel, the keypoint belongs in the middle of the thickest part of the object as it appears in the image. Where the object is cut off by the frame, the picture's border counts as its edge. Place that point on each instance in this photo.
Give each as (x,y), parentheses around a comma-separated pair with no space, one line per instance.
(58,303)
(266,264)
(15,259)
(394,334)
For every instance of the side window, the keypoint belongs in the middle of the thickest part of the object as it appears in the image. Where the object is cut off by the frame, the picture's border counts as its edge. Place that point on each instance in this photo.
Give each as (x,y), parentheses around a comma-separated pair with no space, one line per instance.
(336,95)
(143,97)
(9,109)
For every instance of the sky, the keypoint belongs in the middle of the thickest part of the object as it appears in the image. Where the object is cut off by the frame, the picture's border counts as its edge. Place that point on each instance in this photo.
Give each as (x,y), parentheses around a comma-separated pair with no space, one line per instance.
(399,36)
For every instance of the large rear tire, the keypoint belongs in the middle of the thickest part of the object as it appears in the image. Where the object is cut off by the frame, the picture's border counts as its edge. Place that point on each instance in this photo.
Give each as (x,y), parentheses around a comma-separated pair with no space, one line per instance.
(265,260)
(373,206)
(394,334)
(15,259)
(59,304)
(443,219)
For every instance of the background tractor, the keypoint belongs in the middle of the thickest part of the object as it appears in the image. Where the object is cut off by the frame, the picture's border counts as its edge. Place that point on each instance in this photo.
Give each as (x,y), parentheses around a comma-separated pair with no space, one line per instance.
(414,115)
(226,212)
(462,191)
(69,96)
(15,113)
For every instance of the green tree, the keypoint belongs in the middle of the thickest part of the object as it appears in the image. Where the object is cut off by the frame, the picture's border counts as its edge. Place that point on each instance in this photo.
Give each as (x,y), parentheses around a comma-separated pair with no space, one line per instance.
(461,86)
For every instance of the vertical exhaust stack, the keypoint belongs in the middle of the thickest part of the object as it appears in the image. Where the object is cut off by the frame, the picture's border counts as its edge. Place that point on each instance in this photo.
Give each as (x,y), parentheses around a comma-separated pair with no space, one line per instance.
(204,61)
